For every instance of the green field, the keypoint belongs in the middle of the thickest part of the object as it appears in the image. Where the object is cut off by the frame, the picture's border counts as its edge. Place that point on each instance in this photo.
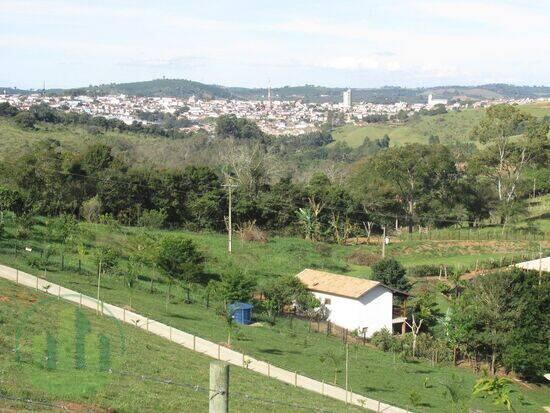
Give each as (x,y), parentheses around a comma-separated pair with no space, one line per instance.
(287,343)
(452,126)
(32,315)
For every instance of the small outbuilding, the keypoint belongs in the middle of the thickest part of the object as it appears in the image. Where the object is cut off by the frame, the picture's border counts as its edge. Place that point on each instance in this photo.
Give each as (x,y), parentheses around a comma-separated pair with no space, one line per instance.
(241,312)
(356,304)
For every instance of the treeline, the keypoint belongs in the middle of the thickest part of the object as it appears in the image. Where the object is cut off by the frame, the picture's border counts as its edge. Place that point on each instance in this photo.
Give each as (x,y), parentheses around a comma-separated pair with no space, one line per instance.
(28,119)
(426,185)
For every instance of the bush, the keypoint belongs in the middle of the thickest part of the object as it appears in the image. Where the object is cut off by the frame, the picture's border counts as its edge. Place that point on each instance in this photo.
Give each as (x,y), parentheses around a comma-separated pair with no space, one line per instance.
(391,273)
(424,270)
(91,209)
(360,258)
(250,232)
(153,219)
(180,258)
(25,120)
(383,340)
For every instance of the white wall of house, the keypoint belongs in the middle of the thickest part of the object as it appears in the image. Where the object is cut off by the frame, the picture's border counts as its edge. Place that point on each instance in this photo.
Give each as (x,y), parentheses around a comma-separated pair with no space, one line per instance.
(373,310)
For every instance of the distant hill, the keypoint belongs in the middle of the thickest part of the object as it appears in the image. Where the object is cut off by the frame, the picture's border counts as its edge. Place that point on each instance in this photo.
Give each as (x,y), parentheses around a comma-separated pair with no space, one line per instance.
(183,88)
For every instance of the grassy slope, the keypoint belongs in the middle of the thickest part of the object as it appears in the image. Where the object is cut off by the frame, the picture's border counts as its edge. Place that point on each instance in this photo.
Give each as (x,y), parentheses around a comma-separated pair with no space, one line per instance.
(145,354)
(140,150)
(450,126)
(372,373)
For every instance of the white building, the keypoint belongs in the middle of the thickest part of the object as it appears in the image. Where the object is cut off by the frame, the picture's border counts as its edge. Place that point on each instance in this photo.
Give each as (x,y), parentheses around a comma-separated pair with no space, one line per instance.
(346,98)
(432,102)
(353,303)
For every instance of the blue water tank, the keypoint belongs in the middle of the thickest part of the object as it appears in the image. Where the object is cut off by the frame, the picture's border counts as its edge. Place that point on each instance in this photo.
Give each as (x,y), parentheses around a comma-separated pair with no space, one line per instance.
(241,312)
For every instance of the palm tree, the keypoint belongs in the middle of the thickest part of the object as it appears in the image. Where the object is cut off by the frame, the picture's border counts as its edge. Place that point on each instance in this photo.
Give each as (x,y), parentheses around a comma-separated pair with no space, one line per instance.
(335,359)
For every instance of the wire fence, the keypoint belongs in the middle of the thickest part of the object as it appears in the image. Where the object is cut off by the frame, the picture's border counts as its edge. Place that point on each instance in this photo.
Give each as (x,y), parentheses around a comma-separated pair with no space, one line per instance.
(194,387)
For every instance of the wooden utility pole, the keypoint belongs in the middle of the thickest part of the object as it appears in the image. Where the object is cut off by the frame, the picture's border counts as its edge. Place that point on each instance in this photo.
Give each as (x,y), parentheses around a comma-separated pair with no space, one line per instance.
(540,264)
(347,372)
(229,223)
(219,387)
(384,242)
(98,283)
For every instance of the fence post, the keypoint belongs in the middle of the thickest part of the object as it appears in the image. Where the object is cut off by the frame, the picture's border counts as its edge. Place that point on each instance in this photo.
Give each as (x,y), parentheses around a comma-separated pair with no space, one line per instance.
(194,345)
(124,314)
(219,352)
(295,378)
(170,329)
(219,388)
(80,303)
(323,388)
(268,370)
(17,276)
(58,292)
(147,323)
(36,283)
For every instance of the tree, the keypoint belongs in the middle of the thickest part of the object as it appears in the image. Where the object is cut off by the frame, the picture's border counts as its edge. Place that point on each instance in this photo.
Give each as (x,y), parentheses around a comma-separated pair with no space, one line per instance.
(391,273)
(106,258)
(415,327)
(414,178)
(65,229)
(283,291)
(8,110)
(335,359)
(180,259)
(236,286)
(514,140)
(131,275)
(11,200)
(455,391)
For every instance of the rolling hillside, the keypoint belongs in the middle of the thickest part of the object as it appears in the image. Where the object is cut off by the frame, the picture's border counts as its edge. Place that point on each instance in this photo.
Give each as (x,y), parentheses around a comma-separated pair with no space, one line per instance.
(166,376)
(184,88)
(449,127)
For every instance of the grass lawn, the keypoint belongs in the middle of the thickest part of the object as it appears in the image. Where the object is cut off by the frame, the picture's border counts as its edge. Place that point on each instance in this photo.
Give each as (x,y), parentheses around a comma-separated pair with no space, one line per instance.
(32,316)
(372,373)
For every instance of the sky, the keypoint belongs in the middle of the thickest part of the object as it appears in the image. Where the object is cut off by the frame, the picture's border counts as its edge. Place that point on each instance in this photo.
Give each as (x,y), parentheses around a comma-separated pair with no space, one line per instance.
(255,43)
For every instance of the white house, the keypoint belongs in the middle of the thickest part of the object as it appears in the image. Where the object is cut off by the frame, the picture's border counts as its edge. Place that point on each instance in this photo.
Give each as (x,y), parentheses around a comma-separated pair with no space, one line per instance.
(353,303)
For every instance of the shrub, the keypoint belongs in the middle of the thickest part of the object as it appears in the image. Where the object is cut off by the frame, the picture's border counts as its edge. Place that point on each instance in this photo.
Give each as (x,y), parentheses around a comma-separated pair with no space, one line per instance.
(153,219)
(25,120)
(250,232)
(360,258)
(91,209)
(391,273)
(383,340)
(424,270)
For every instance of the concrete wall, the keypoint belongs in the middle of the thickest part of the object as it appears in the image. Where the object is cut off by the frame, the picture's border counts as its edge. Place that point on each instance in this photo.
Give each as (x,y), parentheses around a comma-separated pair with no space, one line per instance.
(374,310)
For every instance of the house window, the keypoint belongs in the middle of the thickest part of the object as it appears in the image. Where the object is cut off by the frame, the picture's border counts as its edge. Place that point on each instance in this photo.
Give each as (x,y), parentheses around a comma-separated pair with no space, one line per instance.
(327,301)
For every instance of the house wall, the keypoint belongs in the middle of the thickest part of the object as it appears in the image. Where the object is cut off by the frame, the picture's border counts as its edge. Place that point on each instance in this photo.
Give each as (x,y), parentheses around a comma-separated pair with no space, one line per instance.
(373,310)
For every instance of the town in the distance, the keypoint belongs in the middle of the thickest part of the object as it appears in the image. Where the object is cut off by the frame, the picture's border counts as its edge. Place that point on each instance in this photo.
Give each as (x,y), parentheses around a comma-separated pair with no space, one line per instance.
(273,115)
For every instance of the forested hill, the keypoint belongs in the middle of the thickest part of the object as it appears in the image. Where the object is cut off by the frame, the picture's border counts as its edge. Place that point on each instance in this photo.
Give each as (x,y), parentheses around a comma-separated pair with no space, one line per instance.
(183,88)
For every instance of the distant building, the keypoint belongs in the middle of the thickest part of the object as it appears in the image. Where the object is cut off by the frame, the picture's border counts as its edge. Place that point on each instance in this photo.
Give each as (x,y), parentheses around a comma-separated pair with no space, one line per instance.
(432,102)
(346,100)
